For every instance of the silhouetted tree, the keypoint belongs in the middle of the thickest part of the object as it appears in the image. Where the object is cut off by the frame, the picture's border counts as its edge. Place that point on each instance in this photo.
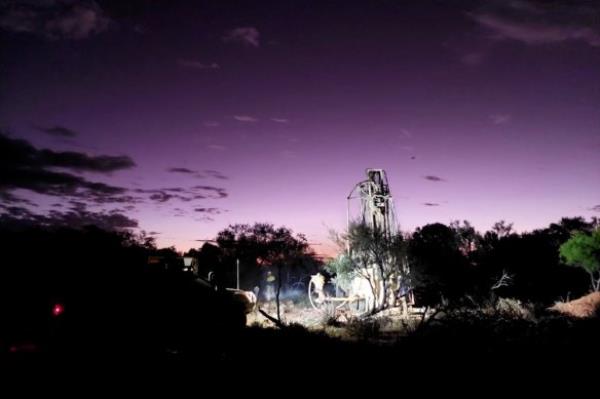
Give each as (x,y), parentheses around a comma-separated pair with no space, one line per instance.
(438,264)
(566,227)
(261,246)
(530,259)
(502,229)
(468,239)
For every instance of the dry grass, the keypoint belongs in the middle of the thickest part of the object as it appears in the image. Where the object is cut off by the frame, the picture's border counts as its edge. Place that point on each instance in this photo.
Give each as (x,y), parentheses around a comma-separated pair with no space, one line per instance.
(584,307)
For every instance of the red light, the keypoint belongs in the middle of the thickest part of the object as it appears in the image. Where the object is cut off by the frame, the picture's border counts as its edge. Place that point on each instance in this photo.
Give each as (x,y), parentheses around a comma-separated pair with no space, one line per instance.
(58,309)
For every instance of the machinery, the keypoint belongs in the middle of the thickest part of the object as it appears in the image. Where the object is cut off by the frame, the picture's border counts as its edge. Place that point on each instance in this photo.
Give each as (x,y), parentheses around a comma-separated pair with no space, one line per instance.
(365,290)
(376,205)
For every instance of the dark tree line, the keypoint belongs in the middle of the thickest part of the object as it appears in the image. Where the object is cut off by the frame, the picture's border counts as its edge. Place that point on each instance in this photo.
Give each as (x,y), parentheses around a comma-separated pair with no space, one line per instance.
(106,278)
(451,262)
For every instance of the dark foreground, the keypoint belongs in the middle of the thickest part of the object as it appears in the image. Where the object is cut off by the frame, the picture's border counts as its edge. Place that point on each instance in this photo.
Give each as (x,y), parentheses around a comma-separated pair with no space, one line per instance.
(464,347)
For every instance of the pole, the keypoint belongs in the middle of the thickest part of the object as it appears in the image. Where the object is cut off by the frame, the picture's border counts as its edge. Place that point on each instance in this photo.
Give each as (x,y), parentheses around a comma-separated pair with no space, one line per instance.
(348,225)
(238,273)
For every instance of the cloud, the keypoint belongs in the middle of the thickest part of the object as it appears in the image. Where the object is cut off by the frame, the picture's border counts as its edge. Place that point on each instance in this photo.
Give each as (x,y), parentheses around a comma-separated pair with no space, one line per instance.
(280,120)
(211,124)
(76,218)
(216,174)
(245,118)
(500,119)
(218,191)
(17,153)
(536,23)
(59,131)
(430,204)
(433,178)
(181,170)
(205,173)
(195,64)
(217,147)
(81,162)
(247,36)
(26,167)
(178,212)
(595,208)
(162,195)
(54,19)
(210,211)
(405,133)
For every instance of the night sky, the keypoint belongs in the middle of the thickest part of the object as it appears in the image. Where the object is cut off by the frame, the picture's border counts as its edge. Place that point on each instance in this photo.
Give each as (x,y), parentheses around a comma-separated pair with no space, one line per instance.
(181,117)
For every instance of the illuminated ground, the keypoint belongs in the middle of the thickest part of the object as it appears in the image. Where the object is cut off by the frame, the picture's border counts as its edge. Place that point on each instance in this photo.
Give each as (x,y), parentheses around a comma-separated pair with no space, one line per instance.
(386,326)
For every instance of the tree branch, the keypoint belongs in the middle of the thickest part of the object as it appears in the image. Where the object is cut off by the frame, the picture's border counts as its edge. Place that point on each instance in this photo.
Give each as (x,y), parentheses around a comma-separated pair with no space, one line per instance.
(271,318)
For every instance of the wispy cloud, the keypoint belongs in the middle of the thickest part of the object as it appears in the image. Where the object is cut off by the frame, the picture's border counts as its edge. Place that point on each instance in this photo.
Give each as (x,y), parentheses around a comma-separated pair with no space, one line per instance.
(76,217)
(218,191)
(211,124)
(247,36)
(595,208)
(195,64)
(181,170)
(280,120)
(500,119)
(536,23)
(184,194)
(405,133)
(433,178)
(58,131)
(203,174)
(245,118)
(431,204)
(216,174)
(210,211)
(67,19)
(178,212)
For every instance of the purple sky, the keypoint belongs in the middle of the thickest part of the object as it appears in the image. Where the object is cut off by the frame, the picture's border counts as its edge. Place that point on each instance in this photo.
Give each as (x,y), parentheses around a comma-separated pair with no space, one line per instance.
(282,105)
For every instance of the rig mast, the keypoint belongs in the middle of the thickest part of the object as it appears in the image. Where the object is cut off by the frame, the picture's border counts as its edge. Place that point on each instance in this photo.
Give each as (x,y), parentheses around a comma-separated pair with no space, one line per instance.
(376,203)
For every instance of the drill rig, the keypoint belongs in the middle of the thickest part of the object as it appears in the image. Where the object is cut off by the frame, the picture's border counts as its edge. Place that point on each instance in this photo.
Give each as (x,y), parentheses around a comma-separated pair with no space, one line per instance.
(376,205)
(367,289)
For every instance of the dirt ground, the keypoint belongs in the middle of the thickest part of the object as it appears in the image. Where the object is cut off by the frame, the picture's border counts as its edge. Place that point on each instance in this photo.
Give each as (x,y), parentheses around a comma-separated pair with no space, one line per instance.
(387,325)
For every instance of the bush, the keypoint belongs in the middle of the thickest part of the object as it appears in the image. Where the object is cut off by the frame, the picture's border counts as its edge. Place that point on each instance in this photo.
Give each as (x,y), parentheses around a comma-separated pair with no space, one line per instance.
(364,329)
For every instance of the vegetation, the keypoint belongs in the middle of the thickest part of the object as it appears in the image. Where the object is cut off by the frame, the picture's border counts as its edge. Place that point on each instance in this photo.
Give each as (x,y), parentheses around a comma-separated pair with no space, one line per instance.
(375,257)
(583,250)
(261,248)
(114,294)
